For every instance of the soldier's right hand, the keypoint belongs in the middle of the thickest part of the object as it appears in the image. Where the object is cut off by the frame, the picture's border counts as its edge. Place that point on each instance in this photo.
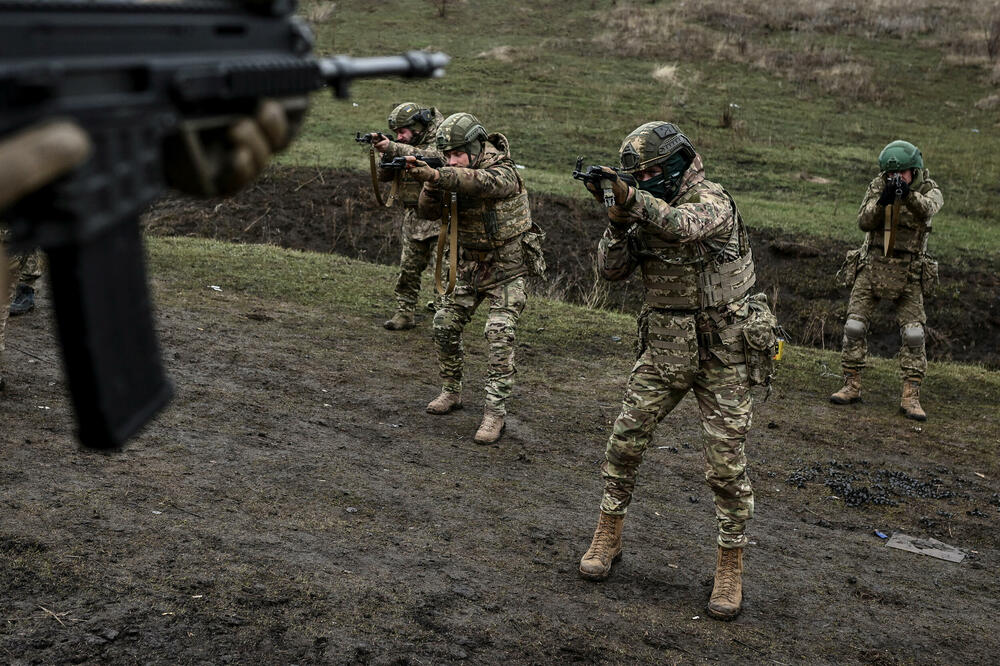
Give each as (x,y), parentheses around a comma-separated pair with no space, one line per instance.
(36,156)
(888,195)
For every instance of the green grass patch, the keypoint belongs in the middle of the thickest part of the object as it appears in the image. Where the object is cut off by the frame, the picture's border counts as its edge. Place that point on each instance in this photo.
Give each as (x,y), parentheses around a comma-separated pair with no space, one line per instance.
(551,77)
(961,398)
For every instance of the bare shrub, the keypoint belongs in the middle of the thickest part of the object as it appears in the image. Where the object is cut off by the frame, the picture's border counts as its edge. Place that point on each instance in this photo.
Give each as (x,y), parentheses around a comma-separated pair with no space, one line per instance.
(501,53)
(320,12)
(993,39)
(987,103)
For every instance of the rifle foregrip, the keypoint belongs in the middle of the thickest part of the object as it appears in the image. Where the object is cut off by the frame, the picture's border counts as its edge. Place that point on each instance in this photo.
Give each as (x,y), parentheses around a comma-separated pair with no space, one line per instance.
(110,351)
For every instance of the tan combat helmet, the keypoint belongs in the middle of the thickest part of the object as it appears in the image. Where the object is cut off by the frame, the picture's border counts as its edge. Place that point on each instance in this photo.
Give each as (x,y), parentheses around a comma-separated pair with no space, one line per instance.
(412,115)
(659,144)
(462,132)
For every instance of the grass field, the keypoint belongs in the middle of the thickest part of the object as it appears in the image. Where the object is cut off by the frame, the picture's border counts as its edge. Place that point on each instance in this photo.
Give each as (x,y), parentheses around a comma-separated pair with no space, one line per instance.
(789,102)
(316,283)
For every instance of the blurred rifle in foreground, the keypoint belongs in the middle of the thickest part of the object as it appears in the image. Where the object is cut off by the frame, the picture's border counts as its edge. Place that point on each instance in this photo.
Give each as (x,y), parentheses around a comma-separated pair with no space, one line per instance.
(142,79)
(601,179)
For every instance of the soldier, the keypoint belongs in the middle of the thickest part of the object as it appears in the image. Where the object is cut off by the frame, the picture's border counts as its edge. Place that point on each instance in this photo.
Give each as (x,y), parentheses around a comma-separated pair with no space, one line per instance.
(498,246)
(686,236)
(29,270)
(892,265)
(415,129)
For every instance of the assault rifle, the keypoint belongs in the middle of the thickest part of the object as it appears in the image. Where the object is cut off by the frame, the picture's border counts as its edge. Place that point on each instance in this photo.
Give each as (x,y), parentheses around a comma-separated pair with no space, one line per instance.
(599,178)
(400,162)
(139,77)
(367,138)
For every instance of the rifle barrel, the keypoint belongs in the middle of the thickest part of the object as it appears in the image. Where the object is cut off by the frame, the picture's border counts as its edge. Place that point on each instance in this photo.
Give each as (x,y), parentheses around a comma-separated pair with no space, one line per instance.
(339,70)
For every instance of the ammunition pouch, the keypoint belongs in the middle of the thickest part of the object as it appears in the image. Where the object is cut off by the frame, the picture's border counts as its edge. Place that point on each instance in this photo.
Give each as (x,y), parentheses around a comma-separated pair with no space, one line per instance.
(929,278)
(848,273)
(889,276)
(760,336)
(531,250)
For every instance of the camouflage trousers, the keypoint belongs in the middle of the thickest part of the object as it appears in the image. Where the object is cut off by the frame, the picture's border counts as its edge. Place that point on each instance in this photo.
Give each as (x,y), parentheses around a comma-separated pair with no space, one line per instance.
(723,395)
(506,303)
(415,258)
(908,301)
(19,267)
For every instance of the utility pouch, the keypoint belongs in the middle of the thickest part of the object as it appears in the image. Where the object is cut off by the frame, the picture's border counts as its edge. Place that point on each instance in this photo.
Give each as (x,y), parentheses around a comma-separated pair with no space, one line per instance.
(929,278)
(672,343)
(531,250)
(848,272)
(761,335)
(889,276)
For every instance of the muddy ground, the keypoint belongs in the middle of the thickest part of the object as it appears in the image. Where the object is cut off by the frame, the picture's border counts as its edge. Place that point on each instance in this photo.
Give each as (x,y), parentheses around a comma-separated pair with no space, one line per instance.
(295,504)
(334,211)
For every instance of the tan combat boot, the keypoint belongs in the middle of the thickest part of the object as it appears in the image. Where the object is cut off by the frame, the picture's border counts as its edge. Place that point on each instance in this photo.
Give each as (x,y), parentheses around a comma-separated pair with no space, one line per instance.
(852,389)
(491,427)
(605,549)
(400,321)
(909,404)
(727,595)
(444,403)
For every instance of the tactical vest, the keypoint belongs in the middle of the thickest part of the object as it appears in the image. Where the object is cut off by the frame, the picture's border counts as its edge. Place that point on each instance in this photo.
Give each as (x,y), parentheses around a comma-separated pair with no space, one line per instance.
(911,234)
(681,276)
(486,224)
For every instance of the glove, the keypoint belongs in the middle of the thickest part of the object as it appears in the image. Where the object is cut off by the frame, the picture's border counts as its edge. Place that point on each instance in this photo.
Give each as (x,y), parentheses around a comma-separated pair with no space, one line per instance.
(419,170)
(618,186)
(889,192)
(34,157)
(222,160)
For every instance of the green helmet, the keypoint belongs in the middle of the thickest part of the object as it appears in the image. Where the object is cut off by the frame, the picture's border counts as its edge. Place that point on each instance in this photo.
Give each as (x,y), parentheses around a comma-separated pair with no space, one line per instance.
(409,114)
(899,156)
(462,132)
(653,144)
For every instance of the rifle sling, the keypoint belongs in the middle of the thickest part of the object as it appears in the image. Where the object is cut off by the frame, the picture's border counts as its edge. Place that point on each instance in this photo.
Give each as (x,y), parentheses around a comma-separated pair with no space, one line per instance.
(449,228)
(891,224)
(394,192)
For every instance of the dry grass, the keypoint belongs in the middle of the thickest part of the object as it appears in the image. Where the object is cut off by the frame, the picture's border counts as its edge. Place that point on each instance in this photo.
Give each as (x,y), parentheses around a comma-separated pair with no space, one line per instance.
(740,31)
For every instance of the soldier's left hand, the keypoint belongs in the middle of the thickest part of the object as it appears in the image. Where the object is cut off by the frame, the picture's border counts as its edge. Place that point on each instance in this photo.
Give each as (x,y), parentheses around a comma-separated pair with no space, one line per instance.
(380,142)
(618,186)
(419,170)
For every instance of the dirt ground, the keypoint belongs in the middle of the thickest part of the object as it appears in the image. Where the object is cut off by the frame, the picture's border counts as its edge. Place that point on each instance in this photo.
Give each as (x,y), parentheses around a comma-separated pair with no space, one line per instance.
(295,504)
(334,211)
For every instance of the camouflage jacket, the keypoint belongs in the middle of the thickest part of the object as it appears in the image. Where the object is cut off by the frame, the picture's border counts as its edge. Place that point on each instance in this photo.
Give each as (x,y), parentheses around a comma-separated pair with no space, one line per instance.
(694,252)
(497,239)
(409,190)
(919,207)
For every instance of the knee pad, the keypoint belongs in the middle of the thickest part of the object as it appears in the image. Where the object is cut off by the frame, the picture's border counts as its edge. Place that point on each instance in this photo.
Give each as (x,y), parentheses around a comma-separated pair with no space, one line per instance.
(913,335)
(855,329)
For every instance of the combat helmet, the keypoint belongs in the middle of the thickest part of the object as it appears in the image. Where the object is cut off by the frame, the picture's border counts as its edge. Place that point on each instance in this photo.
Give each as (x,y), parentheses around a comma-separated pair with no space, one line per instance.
(462,132)
(899,156)
(410,114)
(658,144)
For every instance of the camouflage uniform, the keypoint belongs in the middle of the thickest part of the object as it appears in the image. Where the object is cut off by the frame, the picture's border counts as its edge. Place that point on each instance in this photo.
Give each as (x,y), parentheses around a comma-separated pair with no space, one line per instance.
(418,237)
(17,264)
(900,278)
(498,247)
(697,269)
